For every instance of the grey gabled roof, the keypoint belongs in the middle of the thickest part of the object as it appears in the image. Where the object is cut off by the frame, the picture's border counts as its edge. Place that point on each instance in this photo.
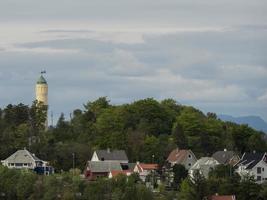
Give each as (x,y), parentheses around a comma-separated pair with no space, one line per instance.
(205,162)
(251,159)
(128,166)
(111,155)
(223,157)
(22,156)
(103,166)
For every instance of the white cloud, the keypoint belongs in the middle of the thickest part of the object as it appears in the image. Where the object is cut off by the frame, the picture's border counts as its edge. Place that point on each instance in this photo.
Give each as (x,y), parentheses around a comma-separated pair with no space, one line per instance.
(263,98)
(243,72)
(42,50)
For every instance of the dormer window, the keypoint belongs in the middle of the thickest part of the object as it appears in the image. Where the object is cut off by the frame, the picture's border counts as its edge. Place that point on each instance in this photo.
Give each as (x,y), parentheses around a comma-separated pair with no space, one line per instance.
(189,156)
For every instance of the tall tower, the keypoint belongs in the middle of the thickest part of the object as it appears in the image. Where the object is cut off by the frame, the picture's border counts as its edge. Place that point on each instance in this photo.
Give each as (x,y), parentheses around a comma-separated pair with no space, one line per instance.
(41,91)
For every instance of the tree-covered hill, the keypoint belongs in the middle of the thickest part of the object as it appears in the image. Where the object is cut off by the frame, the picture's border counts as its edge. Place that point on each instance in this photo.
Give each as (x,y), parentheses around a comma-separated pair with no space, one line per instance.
(143,128)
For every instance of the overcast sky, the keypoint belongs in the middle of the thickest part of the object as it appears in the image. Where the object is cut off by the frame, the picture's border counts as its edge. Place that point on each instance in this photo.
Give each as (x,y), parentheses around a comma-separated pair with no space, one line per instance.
(211,54)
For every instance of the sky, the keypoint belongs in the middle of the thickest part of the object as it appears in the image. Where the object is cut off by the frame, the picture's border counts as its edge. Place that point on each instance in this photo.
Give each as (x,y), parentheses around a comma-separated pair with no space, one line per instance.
(210,54)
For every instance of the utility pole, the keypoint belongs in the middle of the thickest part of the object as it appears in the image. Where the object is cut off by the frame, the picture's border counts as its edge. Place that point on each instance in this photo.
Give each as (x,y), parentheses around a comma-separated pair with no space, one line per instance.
(52,119)
(73,163)
(153,173)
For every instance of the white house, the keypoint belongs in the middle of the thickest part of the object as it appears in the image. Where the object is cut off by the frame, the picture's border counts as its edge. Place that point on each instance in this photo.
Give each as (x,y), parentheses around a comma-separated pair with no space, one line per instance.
(23,159)
(110,155)
(145,169)
(204,165)
(253,164)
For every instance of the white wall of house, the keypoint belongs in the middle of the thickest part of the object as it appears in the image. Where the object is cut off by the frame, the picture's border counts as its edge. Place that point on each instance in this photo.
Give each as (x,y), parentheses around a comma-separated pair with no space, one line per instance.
(259,171)
(94,157)
(143,173)
(110,175)
(30,165)
(189,161)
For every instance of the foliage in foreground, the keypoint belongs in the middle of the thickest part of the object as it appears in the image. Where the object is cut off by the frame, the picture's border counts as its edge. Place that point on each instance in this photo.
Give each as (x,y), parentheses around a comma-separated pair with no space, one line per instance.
(23,184)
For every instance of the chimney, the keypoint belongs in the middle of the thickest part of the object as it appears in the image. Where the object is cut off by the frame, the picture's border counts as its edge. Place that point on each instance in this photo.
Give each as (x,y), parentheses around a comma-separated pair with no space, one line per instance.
(225,150)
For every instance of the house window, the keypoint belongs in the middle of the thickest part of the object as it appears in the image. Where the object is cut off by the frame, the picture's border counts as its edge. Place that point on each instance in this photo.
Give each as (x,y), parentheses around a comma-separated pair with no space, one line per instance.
(189,156)
(263,169)
(19,164)
(189,164)
(25,164)
(258,170)
(258,178)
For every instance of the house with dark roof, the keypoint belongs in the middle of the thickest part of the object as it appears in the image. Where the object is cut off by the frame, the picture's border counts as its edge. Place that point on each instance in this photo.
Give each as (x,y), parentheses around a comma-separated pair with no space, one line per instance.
(23,159)
(226,157)
(103,162)
(182,156)
(253,164)
(110,155)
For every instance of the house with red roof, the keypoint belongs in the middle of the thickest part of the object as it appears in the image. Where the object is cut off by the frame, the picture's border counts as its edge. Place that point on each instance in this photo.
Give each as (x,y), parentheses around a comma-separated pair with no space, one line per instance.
(182,156)
(114,173)
(222,197)
(144,169)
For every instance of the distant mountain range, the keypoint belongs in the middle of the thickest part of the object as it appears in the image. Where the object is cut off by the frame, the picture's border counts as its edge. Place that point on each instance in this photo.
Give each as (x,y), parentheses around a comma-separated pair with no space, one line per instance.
(253,121)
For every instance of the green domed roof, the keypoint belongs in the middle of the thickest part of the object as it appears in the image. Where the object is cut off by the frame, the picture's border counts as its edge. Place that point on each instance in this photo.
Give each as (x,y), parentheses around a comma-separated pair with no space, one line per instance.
(41,80)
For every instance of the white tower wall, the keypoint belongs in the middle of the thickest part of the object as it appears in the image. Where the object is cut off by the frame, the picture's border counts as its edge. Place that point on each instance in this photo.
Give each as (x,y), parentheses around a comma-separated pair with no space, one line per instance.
(42,93)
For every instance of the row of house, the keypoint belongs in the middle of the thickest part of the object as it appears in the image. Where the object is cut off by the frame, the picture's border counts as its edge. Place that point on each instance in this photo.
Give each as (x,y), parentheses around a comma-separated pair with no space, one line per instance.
(250,164)
(110,163)
(107,163)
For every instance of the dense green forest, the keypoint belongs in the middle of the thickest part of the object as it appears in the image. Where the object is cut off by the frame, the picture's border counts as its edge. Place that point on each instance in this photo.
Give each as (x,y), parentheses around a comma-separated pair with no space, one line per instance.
(143,128)
(147,129)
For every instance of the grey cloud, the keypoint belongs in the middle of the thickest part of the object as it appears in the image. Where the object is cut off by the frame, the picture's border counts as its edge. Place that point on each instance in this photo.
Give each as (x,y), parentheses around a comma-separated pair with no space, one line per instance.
(213,70)
(157,13)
